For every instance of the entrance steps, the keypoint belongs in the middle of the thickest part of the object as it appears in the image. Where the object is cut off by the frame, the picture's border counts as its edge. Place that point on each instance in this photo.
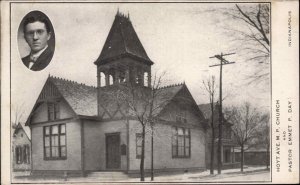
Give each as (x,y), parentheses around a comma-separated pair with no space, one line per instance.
(108,176)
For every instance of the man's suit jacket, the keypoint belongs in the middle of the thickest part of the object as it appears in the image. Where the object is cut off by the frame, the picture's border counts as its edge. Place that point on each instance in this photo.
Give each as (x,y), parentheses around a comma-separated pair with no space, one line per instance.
(42,61)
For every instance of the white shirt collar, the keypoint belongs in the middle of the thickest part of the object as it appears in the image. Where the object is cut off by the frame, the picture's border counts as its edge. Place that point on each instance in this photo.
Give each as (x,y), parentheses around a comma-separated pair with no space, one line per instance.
(36,55)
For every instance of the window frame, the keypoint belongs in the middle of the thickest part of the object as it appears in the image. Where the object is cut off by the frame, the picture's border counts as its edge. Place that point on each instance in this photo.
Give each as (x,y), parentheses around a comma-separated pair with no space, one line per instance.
(26,154)
(19,154)
(53,111)
(59,146)
(181,117)
(175,139)
(137,135)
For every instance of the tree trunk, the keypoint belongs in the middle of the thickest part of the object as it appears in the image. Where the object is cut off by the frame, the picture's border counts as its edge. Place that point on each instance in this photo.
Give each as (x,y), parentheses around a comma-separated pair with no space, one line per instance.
(242,158)
(142,170)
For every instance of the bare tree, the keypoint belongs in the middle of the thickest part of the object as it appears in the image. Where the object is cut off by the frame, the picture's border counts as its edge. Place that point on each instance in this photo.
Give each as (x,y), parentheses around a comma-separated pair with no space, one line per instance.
(245,120)
(263,136)
(210,87)
(143,104)
(18,113)
(253,38)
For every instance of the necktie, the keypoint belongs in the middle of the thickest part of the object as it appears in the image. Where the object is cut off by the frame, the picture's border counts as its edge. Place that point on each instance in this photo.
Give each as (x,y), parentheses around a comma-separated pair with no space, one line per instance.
(32,60)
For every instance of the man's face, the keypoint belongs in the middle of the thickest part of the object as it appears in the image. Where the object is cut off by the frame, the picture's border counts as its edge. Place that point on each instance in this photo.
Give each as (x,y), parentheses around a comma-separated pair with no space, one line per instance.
(36,36)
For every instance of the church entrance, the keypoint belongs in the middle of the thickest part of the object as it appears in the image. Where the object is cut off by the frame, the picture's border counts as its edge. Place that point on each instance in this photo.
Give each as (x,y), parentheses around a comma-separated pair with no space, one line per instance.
(113,157)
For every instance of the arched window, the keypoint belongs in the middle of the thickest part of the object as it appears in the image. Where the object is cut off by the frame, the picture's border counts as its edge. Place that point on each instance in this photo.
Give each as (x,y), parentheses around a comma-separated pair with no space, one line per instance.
(138,78)
(122,77)
(102,79)
(110,80)
(146,78)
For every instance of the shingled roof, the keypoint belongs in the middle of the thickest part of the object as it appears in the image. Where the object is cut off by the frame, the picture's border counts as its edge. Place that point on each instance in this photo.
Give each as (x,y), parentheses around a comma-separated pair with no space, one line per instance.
(166,94)
(82,98)
(206,109)
(122,40)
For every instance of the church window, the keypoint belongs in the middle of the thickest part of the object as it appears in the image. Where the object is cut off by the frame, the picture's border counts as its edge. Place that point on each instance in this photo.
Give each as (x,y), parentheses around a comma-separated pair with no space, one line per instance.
(53,111)
(181,145)
(139,139)
(138,78)
(55,142)
(146,78)
(102,79)
(110,80)
(122,77)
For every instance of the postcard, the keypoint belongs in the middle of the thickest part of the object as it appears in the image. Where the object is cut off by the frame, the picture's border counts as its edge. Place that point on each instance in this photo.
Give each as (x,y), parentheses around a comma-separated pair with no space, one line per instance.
(149,92)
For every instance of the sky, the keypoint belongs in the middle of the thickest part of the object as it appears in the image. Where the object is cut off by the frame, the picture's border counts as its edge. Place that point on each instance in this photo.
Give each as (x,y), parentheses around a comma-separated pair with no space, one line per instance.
(178,37)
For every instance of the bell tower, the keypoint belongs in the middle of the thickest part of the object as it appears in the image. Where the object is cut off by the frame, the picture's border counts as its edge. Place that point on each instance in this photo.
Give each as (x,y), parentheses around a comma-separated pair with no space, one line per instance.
(123,59)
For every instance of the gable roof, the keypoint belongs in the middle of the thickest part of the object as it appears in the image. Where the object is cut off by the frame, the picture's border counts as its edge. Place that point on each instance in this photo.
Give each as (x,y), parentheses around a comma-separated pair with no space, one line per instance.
(174,93)
(26,130)
(122,40)
(81,98)
(110,103)
(206,109)
(166,94)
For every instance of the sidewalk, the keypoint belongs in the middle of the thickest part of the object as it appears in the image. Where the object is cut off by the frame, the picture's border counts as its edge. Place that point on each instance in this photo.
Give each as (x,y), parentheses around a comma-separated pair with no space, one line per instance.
(229,175)
(205,176)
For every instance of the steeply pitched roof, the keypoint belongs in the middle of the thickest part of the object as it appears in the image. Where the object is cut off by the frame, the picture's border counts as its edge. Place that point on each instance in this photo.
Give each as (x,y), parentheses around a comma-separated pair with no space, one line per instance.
(206,110)
(81,98)
(122,40)
(26,130)
(166,94)
(180,95)
(110,102)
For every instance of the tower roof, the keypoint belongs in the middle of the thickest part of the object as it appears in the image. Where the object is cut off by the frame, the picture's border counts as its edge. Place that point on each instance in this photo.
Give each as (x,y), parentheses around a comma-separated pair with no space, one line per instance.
(122,41)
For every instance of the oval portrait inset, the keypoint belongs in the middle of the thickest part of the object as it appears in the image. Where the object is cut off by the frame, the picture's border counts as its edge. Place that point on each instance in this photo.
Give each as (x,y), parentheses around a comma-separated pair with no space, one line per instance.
(36,40)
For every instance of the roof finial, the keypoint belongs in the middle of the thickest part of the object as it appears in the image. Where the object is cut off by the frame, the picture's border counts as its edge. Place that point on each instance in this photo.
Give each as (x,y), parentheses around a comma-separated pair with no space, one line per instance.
(128,16)
(118,12)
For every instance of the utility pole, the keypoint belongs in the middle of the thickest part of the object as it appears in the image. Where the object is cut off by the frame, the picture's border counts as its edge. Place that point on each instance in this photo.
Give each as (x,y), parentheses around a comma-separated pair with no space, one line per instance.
(152,167)
(222,62)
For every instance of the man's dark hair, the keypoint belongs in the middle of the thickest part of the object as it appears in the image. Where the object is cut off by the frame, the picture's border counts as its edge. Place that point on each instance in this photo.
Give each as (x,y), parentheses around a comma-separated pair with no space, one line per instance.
(36,18)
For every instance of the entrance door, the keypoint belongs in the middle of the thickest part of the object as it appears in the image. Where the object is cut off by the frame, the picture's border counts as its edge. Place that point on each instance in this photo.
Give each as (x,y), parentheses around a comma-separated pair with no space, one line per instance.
(113,157)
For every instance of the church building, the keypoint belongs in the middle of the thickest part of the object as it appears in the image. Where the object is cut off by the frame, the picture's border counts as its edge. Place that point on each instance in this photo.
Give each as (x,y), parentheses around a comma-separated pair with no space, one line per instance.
(77,129)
